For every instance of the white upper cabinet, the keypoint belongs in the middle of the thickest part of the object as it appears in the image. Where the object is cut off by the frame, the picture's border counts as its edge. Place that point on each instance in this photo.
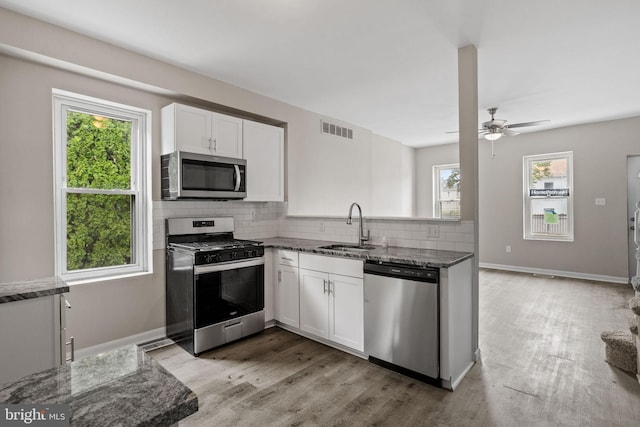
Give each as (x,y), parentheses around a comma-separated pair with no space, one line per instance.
(264,152)
(195,130)
(226,134)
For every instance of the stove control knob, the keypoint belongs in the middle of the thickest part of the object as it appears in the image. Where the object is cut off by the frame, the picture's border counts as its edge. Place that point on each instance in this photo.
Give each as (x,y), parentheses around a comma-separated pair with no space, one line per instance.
(211,258)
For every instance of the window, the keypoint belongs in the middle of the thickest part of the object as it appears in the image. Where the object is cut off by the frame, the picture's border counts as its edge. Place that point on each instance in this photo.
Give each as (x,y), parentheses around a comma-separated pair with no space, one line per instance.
(446,191)
(548,196)
(102,179)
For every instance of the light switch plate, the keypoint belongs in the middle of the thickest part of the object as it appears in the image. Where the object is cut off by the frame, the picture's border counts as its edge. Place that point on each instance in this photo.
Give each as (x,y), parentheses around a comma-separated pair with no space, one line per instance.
(601,201)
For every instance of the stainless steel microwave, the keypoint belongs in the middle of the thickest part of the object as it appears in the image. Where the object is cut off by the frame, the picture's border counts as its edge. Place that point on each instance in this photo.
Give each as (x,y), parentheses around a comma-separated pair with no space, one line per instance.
(200,176)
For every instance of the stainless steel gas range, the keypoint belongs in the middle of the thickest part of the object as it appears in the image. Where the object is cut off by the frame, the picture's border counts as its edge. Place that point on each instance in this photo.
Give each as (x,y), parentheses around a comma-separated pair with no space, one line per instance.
(214,283)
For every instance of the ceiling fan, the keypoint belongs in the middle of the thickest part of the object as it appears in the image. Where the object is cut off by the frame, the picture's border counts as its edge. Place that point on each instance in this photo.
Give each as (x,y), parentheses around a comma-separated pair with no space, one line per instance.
(495,128)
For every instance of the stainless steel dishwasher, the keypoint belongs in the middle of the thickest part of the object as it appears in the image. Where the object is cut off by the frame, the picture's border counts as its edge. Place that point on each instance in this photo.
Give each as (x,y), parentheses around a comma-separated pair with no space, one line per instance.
(401,319)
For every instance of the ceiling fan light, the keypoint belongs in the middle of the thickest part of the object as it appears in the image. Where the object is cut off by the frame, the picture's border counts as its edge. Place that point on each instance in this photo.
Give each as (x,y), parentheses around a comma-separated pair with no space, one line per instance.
(493,136)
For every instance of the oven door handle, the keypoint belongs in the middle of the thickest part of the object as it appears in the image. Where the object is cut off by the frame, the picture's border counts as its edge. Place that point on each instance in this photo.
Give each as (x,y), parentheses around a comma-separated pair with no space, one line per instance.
(233,265)
(238,178)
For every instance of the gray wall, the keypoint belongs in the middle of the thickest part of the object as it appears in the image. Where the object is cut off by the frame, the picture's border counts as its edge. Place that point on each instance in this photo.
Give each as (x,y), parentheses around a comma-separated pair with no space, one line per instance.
(599,165)
(102,311)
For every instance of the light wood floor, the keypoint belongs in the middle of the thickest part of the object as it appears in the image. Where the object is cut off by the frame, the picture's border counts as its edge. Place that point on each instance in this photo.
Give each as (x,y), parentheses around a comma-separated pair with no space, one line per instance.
(542,365)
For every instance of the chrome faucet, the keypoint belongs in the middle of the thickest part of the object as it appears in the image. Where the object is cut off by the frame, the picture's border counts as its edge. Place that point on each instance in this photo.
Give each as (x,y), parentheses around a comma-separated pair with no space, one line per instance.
(361,237)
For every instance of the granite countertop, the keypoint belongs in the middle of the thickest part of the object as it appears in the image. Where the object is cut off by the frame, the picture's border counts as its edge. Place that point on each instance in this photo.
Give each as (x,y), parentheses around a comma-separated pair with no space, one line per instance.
(410,256)
(27,289)
(124,387)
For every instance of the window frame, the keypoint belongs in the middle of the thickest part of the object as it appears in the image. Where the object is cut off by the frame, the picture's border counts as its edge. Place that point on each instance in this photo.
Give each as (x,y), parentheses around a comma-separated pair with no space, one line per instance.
(526,205)
(435,176)
(140,188)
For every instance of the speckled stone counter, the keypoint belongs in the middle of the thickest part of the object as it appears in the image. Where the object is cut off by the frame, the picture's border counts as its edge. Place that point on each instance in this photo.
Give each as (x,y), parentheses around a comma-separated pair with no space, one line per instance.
(16,291)
(123,387)
(409,256)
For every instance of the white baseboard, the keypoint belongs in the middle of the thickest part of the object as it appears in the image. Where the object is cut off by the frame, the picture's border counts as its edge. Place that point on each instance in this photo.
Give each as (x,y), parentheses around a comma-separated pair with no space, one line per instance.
(140,338)
(559,273)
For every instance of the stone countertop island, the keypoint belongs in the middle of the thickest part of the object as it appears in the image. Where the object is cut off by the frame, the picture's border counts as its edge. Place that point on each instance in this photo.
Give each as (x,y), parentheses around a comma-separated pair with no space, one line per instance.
(123,387)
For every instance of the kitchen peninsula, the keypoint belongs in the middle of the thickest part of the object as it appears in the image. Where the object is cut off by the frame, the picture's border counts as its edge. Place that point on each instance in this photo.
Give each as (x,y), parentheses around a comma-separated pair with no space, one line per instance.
(318,290)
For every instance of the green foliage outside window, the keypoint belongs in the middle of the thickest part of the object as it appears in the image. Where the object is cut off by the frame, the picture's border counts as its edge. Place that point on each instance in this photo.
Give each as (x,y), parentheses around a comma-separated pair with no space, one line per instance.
(98,225)
(453,181)
(540,170)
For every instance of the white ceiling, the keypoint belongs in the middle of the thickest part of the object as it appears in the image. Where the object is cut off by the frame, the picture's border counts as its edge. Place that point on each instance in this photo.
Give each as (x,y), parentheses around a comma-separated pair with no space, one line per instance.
(390,66)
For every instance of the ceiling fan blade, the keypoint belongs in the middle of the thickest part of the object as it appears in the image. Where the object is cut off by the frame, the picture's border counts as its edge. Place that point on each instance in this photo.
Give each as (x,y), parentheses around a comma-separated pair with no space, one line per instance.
(508,132)
(521,125)
(483,132)
(457,131)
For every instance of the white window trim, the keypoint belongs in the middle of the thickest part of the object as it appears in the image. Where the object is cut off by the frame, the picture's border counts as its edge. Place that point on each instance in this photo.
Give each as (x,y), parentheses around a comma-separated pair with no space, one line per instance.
(140,186)
(526,205)
(436,186)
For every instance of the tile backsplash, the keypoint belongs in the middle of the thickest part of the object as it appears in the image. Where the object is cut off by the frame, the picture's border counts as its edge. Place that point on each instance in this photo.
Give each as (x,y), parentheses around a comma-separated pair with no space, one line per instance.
(261,220)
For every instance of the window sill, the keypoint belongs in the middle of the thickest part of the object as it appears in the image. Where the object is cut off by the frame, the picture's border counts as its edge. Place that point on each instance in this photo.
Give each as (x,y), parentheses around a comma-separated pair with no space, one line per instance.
(91,280)
(549,239)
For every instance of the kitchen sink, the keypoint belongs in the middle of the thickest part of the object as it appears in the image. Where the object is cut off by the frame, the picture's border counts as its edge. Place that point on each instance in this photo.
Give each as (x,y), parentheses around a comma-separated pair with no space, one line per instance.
(348,248)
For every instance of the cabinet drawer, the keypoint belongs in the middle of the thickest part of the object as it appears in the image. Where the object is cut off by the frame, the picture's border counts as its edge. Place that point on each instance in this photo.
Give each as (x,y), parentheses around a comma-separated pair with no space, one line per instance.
(333,265)
(288,258)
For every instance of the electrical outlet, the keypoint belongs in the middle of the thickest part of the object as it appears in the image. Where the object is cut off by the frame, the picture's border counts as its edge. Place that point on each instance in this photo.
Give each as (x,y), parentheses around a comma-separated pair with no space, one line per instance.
(601,201)
(321,226)
(432,231)
(507,249)
(253,215)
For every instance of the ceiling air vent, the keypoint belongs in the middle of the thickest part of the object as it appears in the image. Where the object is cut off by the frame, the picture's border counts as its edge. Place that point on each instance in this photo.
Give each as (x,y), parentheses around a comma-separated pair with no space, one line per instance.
(333,129)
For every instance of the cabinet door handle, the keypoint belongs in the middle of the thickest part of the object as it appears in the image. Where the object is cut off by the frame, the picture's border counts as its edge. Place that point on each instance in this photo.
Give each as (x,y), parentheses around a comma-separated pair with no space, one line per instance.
(279,276)
(324,286)
(215,144)
(329,288)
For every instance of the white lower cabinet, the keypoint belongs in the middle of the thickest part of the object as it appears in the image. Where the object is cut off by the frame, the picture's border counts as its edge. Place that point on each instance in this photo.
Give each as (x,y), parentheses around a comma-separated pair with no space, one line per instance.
(287,290)
(30,332)
(331,304)
(314,313)
(269,275)
(346,311)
